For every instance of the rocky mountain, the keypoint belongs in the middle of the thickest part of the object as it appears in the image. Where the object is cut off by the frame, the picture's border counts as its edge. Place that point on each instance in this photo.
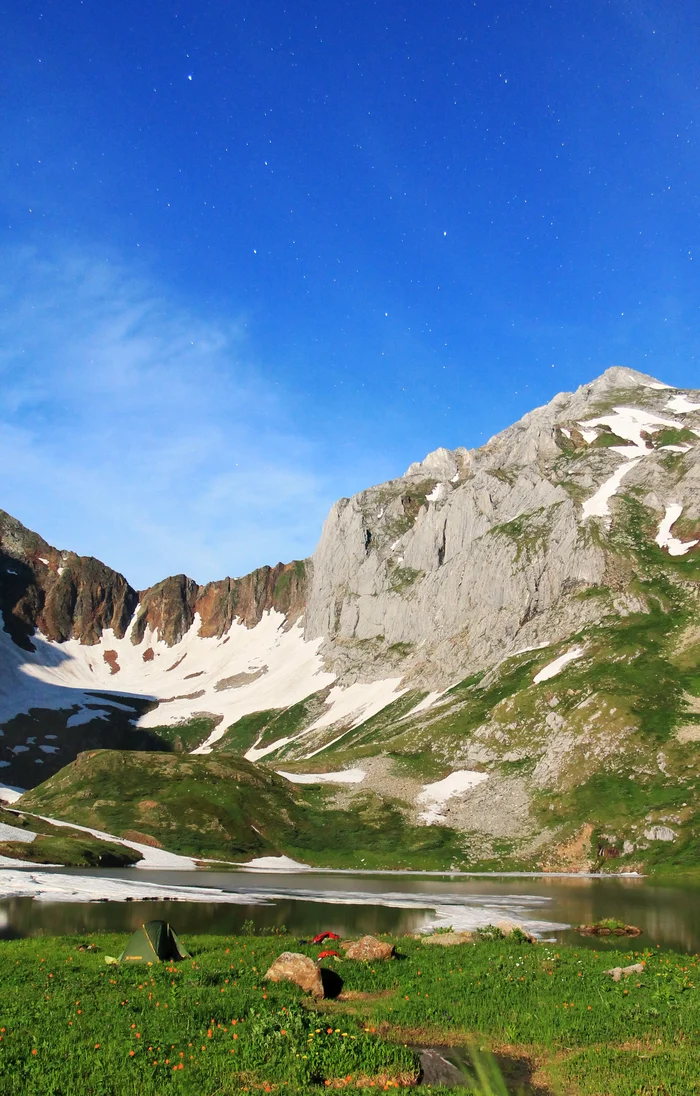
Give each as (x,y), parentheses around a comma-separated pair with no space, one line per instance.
(484,641)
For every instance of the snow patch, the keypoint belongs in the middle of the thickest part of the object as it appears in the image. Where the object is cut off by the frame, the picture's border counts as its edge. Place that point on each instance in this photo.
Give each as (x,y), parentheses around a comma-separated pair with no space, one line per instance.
(356,703)
(436,795)
(345,776)
(275,863)
(10,794)
(597,504)
(359,700)
(554,668)
(682,404)
(438,492)
(628,423)
(15,833)
(664,539)
(425,703)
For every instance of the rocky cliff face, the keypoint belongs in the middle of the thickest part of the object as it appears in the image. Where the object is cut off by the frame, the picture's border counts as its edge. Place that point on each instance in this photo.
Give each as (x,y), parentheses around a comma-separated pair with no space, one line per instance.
(471,555)
(65,596)
(61,594)
(468,555)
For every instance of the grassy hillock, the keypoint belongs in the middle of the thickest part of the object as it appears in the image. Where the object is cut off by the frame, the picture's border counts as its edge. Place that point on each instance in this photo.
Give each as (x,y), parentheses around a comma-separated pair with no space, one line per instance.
(554,1020)
(226,808)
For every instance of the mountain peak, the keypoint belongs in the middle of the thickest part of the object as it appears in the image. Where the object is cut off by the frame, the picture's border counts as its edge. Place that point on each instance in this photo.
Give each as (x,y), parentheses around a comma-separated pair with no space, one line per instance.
(620,376)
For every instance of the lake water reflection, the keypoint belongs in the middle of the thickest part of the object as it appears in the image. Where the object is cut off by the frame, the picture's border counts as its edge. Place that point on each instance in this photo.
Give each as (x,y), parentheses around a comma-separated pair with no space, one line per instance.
(357,903)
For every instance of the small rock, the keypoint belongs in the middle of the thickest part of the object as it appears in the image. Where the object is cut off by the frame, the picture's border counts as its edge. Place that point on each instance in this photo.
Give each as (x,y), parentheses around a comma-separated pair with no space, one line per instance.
(369,948)
(616,973)
(436,1069)
(509,927)
(660,833)
(292,966)
(449,939)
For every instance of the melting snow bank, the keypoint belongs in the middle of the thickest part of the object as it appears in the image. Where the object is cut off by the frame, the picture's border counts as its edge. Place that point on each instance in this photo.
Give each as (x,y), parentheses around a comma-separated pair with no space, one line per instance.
(631,424)
(345,776)
(558,665)
(426,702)
(152,858)
(352,705)
(628,423)
(14,833)
(9,794)
(436,795)
(664,539)
(275,863)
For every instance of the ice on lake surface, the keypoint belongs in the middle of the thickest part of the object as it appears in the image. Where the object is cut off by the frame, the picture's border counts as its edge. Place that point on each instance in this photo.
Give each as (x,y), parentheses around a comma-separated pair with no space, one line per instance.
(350,903)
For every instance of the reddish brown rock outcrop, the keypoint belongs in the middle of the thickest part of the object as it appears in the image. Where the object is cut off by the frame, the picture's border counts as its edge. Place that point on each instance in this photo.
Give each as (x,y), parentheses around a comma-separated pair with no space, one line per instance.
(66,596)
(61,594)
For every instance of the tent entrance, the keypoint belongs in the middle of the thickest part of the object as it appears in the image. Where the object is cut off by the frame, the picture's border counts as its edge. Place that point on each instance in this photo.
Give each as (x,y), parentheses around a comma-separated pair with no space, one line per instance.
(154,942)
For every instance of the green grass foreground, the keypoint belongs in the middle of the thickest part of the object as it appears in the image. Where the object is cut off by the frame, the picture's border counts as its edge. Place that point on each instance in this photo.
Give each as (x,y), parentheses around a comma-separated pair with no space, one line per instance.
(209,1026)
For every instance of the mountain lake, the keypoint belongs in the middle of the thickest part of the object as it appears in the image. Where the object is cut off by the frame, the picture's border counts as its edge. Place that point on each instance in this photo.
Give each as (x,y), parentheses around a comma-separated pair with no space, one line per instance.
(355,903)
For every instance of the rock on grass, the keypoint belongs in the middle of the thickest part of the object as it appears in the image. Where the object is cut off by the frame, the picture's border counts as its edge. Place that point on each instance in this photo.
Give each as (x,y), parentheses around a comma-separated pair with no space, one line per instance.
(292,966)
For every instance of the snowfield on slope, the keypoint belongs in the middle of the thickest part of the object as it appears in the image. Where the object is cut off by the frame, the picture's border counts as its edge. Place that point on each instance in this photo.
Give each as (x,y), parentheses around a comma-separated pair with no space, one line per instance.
(247,670)
(345,776)
(664,537)
(435,796)
(630,424)
(555,667)
(354,705)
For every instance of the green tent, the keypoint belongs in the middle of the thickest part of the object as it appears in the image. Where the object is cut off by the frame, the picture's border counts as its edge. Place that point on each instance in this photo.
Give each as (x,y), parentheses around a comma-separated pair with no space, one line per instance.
(154,942)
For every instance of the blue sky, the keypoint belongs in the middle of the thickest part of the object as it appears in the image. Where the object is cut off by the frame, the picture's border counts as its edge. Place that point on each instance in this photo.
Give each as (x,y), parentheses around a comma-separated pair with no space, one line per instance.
(256,256)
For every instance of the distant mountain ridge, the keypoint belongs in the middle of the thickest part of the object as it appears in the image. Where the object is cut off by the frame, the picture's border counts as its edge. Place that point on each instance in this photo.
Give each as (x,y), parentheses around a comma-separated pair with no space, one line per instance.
(66,596)
(521,561)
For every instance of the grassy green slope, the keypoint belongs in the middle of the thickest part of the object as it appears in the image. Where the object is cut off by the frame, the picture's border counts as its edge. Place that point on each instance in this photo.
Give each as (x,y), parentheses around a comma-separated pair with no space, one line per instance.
(556,1022)
(227,808)
(607,752)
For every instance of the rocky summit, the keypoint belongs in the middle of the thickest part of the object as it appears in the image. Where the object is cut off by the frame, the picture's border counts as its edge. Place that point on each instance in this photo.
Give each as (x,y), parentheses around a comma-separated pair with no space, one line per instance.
(501,646)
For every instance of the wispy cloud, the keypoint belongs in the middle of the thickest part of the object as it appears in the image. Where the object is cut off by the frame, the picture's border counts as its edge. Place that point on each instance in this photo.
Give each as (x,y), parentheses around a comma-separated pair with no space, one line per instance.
(137,431)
